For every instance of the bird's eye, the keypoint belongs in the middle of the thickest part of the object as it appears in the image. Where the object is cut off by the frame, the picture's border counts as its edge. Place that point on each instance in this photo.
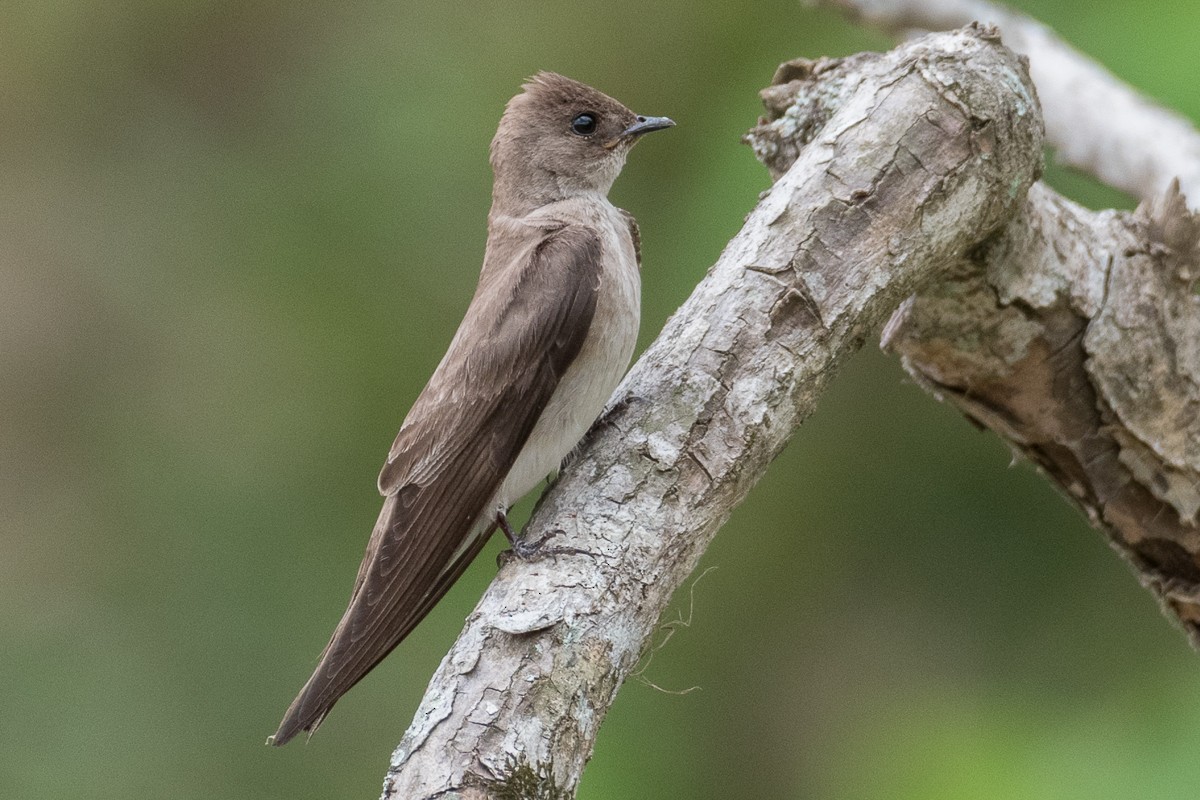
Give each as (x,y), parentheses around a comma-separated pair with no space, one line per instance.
(584,125)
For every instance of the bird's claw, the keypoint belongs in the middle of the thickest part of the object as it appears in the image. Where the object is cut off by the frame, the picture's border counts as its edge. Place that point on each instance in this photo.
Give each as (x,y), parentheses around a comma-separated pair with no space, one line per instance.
(532,551)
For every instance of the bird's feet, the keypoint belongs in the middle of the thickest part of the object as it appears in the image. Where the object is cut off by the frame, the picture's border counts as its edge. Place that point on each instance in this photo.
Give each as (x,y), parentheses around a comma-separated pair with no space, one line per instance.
(531,551)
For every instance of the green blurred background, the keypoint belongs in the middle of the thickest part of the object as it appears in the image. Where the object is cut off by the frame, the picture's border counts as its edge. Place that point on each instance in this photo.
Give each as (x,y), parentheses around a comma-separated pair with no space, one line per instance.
(226,271)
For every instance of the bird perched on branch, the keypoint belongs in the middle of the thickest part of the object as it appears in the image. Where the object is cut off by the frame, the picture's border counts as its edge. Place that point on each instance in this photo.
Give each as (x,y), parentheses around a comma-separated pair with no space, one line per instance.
(546,339)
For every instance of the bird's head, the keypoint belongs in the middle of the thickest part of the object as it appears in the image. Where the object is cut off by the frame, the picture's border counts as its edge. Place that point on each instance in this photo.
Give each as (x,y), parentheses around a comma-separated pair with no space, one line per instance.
(561,138)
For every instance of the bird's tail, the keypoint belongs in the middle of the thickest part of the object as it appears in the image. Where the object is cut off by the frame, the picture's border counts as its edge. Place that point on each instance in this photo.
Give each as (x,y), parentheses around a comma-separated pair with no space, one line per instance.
(378,618)
(326,686)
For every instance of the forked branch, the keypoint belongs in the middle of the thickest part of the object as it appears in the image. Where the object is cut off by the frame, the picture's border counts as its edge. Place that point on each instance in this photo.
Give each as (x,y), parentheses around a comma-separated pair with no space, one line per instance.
(900,165)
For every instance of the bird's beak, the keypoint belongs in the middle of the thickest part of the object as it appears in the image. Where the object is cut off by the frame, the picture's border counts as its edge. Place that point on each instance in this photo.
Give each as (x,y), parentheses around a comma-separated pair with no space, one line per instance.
(647,124)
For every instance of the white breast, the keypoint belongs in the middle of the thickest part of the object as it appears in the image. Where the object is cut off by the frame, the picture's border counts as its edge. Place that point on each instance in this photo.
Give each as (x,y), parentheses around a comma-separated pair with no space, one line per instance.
(594,374)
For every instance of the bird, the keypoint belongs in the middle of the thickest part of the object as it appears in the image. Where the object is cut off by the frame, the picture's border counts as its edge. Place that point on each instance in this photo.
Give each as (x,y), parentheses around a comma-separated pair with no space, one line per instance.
(546,338)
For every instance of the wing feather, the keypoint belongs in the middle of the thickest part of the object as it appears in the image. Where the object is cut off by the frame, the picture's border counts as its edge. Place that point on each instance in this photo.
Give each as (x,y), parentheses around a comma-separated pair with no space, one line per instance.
(528,322)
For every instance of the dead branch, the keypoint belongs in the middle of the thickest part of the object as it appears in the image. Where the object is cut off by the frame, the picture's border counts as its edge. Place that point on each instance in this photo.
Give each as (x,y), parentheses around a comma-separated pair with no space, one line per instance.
(1095,121)
(903,163)
(1075,336)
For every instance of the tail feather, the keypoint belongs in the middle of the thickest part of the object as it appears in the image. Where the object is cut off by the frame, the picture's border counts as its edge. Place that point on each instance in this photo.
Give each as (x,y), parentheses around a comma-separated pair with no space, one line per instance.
(361,640)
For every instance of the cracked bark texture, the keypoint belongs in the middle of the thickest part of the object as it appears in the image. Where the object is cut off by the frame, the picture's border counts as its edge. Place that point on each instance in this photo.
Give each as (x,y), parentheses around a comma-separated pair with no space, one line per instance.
(1075,335)
(1095,121)
(903,163)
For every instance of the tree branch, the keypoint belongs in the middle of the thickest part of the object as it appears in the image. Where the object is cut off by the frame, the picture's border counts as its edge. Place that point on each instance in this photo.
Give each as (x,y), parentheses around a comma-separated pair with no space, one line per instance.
(1075,336)
(1095,121)
(906,162)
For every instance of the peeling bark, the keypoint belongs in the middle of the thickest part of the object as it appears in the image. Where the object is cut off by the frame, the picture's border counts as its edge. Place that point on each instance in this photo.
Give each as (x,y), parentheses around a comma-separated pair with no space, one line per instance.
(914,158)
(1096,122)
(1075,335)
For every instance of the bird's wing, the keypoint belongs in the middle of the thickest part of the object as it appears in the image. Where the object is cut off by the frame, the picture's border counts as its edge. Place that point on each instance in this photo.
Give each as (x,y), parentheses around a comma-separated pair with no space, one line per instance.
(456,446)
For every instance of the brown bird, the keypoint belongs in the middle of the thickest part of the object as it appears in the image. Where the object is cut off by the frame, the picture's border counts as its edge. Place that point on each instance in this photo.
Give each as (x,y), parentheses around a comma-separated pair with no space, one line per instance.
(547,337)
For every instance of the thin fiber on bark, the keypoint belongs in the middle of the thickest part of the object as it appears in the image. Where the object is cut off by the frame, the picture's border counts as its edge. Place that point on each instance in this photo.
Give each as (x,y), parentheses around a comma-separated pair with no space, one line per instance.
(1095,122)
(915,157)
(1076,337)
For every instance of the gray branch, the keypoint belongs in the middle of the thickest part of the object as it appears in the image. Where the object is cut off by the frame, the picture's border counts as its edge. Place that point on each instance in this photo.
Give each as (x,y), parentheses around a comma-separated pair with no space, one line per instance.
(904,163)
(1075,335)
(1095,121)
